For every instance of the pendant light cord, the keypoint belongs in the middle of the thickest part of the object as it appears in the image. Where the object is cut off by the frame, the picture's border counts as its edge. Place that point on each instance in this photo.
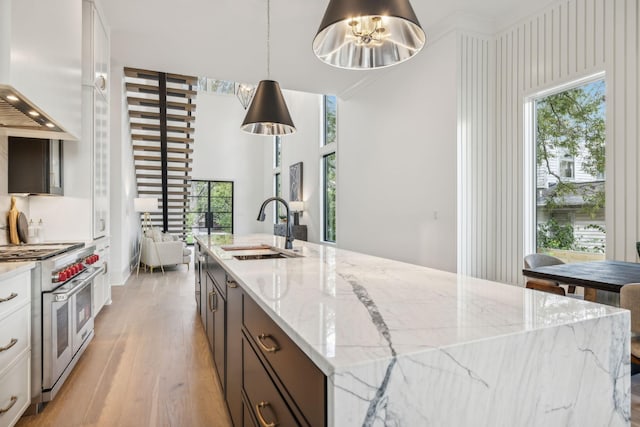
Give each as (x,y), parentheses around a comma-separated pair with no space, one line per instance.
(268,39)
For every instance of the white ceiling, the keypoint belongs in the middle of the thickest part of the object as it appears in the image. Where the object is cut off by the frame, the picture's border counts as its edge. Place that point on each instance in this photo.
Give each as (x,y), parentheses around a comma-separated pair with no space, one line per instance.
(226,39)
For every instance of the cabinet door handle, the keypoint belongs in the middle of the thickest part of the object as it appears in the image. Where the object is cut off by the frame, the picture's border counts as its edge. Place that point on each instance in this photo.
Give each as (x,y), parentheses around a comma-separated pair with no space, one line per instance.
(210,300)
(9,298)
(264,347)
(14,399)
(232,284)
(264,422)
(13,342)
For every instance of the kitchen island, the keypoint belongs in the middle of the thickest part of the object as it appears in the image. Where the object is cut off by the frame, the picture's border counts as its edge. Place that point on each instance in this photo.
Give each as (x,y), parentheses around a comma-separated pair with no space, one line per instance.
(402,344)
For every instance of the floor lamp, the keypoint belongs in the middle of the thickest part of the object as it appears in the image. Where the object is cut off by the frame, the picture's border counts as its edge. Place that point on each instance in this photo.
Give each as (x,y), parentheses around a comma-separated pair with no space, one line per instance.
(146,205)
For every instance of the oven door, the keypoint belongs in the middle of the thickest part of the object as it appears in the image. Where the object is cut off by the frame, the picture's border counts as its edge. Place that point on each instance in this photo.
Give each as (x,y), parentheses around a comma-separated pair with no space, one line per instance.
(82,311)
(57,344)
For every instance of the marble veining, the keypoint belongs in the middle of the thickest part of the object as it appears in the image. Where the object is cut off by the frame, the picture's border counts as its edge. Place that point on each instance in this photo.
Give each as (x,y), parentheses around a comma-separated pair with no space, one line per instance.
(406,345)
(10,269)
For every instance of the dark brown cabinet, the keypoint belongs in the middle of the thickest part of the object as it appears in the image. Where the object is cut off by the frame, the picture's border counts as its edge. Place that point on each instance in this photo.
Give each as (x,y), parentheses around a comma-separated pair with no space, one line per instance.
(266,402)
(265,376)
(234,352)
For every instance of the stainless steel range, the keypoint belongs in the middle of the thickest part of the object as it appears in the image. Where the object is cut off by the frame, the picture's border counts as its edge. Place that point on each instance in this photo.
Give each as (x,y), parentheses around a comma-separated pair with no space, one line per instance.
(62,311)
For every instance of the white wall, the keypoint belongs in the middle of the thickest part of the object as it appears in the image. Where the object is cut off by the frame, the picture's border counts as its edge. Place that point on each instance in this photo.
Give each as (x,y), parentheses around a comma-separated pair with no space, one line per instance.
(222,152)
(397,162)
(568,41)
(302,146)
(124,222)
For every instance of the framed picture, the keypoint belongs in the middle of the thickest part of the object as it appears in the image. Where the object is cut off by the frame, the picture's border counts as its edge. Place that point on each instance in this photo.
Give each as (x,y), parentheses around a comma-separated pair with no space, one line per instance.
(295,182)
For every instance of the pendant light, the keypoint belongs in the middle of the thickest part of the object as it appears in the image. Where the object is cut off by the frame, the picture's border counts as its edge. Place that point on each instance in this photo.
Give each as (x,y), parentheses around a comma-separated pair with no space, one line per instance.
(268,113)
(368,34)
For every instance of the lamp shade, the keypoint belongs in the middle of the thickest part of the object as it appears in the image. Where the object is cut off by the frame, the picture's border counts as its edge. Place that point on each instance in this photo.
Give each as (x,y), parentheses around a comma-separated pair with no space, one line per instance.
(145,204)
(268,113)
(296,206)
(368,34)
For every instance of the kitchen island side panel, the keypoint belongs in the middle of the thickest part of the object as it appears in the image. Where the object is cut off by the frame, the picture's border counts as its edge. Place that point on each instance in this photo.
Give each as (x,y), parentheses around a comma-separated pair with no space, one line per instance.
(572,375)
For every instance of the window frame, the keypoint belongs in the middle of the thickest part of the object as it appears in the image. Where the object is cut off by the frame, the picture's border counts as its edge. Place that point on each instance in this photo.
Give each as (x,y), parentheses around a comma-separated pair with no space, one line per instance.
(327,149)
(529,197)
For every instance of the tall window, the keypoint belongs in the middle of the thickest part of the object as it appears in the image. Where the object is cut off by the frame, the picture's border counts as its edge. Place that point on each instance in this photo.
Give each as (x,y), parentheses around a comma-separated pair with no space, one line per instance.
(210,208)
(329,179)
(570,165)
(277,190)
(277,176)
(328,162)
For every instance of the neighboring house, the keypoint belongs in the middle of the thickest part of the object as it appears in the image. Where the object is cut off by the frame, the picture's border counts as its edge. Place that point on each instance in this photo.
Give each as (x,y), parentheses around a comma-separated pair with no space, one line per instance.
(588,230)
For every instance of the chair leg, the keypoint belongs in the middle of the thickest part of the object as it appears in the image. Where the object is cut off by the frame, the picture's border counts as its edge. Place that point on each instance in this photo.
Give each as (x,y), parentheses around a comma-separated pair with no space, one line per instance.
(151,268)
(571,289)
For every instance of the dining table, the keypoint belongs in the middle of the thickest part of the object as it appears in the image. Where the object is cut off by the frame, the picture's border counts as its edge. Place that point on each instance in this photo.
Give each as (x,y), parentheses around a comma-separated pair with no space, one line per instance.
(593,276)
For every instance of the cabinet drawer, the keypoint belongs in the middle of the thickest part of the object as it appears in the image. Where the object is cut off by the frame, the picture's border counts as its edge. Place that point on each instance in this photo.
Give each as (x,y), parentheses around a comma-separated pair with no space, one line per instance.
(14,336)
(14,292)
(218,274)
(14,391)
(265,401)
(302,379)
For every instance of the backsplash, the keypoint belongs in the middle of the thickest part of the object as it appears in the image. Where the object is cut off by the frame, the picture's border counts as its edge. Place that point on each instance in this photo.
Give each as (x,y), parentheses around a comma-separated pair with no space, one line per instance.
(22,203)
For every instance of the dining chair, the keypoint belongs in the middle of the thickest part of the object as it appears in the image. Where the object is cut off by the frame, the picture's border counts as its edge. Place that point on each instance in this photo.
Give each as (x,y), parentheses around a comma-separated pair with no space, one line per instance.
(542,260)
(630,299)
(545,286)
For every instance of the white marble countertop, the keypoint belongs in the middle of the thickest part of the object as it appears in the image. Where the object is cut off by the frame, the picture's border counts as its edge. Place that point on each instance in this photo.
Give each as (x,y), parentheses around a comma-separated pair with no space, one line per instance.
(10,269)
(346,309)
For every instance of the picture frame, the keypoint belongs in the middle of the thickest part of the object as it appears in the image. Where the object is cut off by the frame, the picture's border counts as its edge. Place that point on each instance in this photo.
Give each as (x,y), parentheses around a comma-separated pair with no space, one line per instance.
(295,182)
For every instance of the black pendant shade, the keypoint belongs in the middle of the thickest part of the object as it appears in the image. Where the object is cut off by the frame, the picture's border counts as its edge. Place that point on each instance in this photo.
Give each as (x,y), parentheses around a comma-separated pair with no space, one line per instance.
(367,34)
(268,113)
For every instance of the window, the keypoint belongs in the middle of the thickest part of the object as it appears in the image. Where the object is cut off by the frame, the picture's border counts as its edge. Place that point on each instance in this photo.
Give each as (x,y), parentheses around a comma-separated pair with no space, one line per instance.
(570,164)
(210,208)
(277,190)
(329,202)
(277,155)
(328,154)
(330,119)
(567,165)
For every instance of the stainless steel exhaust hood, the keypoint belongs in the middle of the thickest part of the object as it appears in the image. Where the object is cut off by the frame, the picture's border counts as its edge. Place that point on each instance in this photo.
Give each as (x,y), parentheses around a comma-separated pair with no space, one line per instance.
(19,116)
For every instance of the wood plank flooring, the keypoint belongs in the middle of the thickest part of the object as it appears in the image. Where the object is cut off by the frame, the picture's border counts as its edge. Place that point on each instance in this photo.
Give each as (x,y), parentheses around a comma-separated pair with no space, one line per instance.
(148,364)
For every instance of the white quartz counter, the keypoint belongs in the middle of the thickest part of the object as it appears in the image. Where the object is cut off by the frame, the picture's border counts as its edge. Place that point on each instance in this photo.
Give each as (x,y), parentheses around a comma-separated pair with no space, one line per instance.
(402,343)
(10,269)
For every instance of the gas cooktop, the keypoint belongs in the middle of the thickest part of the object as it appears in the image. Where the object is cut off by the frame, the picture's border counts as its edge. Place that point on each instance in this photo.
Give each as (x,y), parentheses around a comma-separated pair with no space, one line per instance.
(35,252)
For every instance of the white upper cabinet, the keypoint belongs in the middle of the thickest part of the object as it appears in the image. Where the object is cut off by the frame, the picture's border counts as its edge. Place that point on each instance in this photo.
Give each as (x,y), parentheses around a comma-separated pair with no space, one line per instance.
(40,57)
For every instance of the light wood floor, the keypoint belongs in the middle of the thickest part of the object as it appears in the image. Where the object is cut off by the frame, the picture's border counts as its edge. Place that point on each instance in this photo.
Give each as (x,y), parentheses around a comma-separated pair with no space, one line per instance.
(148,364)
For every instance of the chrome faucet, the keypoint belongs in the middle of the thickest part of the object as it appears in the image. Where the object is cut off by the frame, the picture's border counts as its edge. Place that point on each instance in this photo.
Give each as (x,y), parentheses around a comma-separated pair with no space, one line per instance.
(262,216)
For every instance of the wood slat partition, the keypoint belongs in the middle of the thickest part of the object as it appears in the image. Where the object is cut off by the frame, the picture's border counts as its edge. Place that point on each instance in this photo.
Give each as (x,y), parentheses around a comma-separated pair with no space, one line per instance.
(150,96)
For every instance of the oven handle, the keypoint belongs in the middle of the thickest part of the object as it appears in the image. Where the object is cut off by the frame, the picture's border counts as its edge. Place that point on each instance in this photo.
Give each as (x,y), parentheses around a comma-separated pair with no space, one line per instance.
(63,296)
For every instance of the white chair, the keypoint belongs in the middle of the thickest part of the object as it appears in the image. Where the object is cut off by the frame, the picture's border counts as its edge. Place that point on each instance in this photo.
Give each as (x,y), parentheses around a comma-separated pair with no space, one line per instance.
(160,249)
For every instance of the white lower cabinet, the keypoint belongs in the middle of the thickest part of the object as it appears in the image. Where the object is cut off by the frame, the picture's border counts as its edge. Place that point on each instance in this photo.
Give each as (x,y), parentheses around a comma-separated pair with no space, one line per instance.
(15,346)
(14,390)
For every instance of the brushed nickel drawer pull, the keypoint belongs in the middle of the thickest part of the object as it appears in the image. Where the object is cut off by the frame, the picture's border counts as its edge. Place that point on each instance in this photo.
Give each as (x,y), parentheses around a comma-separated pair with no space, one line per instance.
(9,298)
(264,347)
(210,302)
(232,284)
(264,422)
(8,346)
(14,399)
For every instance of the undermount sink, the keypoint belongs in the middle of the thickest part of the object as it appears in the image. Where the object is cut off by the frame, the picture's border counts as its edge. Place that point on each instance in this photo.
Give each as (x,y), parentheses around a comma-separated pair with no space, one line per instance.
(261,256)
(256,251)
(244,247)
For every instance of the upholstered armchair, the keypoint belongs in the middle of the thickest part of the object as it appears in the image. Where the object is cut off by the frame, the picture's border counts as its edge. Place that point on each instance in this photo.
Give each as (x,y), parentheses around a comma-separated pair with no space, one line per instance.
(160,249)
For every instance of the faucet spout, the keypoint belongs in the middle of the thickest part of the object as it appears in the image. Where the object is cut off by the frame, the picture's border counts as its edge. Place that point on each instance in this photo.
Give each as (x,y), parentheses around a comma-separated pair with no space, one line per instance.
(262,215)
